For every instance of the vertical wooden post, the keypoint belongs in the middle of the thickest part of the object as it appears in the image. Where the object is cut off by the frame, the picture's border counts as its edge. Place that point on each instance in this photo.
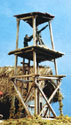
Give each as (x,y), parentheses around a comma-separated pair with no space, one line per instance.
(56,70)
(34,43)
(17,38)
(51,36)
(34,31)
(46,100)
(40,103)
(35,63)
(38,94)
(15,67)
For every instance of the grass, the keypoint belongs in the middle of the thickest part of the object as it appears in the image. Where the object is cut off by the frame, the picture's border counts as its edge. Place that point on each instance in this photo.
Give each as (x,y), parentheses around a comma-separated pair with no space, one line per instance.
(61,120)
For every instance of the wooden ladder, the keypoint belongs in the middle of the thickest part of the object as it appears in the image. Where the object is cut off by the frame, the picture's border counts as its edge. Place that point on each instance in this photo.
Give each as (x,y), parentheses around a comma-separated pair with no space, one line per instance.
(26,70)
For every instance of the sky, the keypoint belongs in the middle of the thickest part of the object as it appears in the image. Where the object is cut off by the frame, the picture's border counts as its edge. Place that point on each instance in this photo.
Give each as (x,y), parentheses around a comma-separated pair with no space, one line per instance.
(61,24)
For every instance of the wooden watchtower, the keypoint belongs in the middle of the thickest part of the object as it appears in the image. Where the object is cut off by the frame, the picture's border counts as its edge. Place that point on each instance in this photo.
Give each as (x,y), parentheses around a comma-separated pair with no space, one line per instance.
(36,53)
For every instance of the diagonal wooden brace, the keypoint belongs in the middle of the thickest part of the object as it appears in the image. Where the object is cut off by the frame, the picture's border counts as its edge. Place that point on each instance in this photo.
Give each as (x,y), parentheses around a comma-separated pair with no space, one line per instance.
(53,94)
(29,94)
(21,99)
(46,100)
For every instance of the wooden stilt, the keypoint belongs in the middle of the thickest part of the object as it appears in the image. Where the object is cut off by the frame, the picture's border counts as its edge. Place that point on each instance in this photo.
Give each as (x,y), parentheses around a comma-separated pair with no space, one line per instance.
(46,100)
(12,108)
(34,54)
(34,31)
(23,64)
(55,64)
(59,83)
(28,95)
(16,58)
(38,105)
(38,94)
(35,64)
(51,35)
(17,38)
(45,112)
(28,98)
(40,102)
(52,43)
(28,73)
(42,109)
(34,43)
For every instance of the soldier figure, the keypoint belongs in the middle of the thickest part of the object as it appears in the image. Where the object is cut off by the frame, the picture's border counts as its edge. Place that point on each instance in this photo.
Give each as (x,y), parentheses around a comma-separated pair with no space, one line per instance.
(38,37)
(26,40)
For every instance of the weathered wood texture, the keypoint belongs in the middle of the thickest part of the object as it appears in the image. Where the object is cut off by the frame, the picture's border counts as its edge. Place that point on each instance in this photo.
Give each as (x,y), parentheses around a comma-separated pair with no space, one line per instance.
(53,112)
(21,99)
(40,17)
(37,54)
(51,97)
(52,43)
(42,53)
(17,38)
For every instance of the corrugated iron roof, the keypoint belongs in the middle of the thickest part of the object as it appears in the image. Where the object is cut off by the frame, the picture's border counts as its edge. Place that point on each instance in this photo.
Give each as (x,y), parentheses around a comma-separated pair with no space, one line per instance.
(40,17)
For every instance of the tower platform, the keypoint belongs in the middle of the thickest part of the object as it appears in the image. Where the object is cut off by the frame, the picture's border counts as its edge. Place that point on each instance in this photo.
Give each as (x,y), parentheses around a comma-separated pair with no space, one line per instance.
(40,17)
(42,53)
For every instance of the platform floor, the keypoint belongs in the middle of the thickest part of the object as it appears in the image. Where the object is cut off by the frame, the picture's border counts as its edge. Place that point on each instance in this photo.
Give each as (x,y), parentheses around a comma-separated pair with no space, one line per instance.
(42,53)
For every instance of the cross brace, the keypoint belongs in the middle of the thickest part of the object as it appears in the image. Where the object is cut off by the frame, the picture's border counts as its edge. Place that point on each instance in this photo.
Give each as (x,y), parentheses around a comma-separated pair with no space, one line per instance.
(49,100)
(21,99)
(54,114)
(42,93)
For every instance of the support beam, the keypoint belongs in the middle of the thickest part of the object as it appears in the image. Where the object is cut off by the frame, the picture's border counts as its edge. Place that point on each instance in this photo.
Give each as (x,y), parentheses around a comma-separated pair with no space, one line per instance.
(46,77)
(21,99)
(23,76)
(35,64)
(52,43)
(51,35)
(34,43)
(17,38)
(16,58)
(24,18)
(34,31)
(28,98)
(56,70)
(29,94)
(46,100)
(38,94)
(23,81)
(45,112)
(53,94)
(59,83)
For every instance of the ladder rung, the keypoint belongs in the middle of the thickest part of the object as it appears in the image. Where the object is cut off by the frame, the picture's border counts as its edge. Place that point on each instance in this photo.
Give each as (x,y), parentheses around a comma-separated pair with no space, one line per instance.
(24,63)
(31,106)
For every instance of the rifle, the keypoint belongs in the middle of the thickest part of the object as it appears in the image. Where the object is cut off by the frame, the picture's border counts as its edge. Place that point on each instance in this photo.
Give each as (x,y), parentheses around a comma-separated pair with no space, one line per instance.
(42,29)
(27,39)
(37,32)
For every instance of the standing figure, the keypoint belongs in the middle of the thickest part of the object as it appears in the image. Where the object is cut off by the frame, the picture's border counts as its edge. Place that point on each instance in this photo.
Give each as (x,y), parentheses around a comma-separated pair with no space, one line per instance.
(26,40)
